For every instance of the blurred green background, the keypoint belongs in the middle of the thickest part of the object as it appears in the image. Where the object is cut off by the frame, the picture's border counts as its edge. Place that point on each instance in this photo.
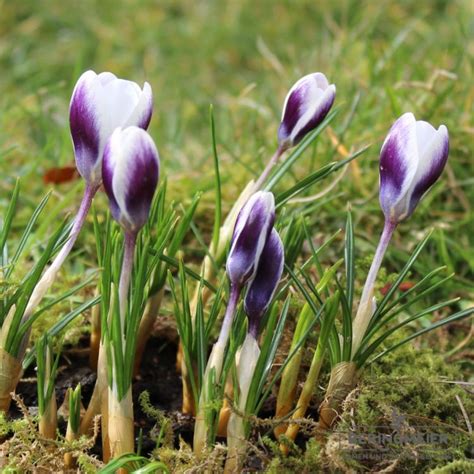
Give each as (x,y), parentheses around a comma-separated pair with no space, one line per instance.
(385,58)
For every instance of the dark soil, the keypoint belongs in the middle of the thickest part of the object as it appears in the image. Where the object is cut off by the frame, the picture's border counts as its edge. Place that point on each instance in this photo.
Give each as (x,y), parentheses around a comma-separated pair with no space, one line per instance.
(157,376)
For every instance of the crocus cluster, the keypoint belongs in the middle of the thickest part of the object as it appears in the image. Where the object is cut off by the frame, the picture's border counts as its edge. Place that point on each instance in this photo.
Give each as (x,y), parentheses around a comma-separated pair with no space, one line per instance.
(255,263)
(251,238)
(99,104)
(109,118)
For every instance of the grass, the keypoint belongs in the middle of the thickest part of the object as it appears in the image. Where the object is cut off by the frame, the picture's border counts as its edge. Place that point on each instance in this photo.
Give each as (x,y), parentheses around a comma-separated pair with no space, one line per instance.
(385,58)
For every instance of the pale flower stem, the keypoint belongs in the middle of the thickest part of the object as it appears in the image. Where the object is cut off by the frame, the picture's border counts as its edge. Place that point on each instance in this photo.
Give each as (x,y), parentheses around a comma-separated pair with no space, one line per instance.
(126,273)
(50,274)
(229,316)
(273,161)
(364,311)
(215,363)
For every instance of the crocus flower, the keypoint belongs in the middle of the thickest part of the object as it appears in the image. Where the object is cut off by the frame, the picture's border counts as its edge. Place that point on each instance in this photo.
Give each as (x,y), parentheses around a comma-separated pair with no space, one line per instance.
(253,225)
(130,172)
(262,288)
(305,107)
(100,103)
(411,160)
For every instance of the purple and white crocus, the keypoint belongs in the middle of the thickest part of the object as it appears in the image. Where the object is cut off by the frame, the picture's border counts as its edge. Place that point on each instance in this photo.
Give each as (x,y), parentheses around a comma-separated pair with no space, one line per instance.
(252,228)
(412,158)
(260,292)
(305,107)
(252,231)
(130,172)
(100,103)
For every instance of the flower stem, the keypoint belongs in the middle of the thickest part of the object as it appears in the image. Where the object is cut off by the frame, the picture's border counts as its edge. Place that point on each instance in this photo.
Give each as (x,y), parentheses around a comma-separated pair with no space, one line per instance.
(50,274)
(126,273)
(273,161)
(214,364)
(364,311)
(229,316)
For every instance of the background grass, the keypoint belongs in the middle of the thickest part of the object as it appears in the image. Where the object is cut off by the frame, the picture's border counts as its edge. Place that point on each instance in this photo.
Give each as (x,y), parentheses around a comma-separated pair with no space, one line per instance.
(385,57)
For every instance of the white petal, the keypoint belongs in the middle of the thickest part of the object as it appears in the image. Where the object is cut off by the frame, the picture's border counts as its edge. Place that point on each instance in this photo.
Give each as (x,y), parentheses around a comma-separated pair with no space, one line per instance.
(143,108)
(123,144)
(431,144)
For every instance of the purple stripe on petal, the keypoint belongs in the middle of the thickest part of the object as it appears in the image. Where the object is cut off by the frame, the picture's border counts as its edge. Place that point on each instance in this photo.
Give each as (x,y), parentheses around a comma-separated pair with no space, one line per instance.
(263,286)
(250,237)
(317,118)
(291,113)
(144,174)
(84,130)
(394,162)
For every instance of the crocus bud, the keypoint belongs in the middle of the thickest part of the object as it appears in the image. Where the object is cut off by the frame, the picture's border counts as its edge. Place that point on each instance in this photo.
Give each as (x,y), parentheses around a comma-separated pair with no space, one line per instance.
(306,105)
(262,288)
(130,172)
(251,231)
(99,104)
(411,160)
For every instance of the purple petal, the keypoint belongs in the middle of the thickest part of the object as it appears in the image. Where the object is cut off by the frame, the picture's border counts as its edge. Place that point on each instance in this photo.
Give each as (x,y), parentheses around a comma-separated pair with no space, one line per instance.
(251,230)
(263,286)
(84,126)
(142,184)
(395,165)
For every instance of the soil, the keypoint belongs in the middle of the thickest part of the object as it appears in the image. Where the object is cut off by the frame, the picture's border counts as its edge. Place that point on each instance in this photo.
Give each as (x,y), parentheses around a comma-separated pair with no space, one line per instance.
(157,376)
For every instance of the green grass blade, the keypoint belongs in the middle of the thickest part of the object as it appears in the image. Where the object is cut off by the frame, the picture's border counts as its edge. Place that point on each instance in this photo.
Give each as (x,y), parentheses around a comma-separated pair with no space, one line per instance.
(218,208)
(455,317)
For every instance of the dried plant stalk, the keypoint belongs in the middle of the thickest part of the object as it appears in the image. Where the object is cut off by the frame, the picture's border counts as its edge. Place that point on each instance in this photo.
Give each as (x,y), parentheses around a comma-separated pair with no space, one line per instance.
(120,422)
(10,373)
(69,461)
(48,422)
(342,380)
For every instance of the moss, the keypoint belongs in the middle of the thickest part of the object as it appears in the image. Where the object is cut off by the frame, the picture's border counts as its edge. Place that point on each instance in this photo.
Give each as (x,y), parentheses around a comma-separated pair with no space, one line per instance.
(298,461)
(24,450)
(455,467)
(410,393)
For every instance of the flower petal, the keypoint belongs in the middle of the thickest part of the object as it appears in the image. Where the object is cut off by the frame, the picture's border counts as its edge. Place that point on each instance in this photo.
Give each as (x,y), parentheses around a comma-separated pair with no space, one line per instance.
(84,122)
(251,230)
(398,164)
(265,282)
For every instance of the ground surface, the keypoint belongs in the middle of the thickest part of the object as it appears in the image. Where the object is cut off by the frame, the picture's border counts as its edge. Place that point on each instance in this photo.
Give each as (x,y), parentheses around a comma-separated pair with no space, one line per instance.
(384,57)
